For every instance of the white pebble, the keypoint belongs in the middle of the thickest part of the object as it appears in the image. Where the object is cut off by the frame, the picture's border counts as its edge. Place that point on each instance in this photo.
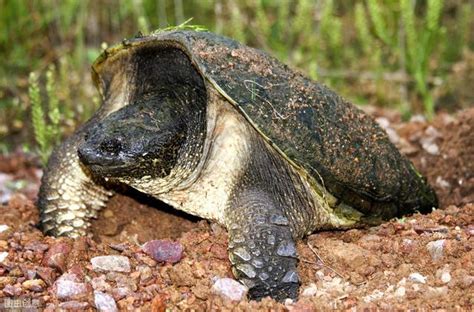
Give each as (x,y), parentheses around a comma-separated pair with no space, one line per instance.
(417,278)
(442,182)
(230,289)
(445,277)
(3,228)
(310,291)
(104,302)
(67,287)
(430,148)
(3,256)
(111,263)
(417,118)
(436,249)
(400,292)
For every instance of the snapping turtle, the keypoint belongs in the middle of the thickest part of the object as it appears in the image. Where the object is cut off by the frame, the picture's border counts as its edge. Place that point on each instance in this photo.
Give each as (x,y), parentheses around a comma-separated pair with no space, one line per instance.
(228,133)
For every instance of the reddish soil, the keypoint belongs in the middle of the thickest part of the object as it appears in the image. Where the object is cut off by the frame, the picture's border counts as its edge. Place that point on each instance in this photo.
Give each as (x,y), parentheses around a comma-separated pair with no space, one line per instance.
(391,266)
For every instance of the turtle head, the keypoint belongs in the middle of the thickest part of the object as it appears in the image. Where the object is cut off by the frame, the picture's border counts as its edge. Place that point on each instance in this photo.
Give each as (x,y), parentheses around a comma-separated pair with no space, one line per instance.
(159,132)
(141,139)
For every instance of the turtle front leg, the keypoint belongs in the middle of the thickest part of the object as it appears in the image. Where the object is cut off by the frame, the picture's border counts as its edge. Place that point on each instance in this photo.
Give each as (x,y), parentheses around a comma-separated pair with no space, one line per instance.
(261,247)
(68,196)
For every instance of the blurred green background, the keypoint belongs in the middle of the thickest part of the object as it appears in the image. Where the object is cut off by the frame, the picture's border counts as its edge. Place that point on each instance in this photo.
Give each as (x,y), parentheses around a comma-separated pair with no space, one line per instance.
(411,55)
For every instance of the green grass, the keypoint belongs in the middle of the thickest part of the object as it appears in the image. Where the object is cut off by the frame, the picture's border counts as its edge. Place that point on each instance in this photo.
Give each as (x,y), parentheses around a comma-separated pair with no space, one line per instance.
(368,50)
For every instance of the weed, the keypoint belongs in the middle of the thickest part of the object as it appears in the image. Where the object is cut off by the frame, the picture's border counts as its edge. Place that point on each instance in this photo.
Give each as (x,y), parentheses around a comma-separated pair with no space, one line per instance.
(383,52)
(45,126)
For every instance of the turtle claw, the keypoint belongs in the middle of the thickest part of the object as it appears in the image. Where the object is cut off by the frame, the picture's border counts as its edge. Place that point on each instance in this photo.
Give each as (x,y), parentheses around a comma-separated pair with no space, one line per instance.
(263,254)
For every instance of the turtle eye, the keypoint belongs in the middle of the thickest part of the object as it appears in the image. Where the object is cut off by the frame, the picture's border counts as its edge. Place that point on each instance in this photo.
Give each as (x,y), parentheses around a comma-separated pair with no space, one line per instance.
(111,146)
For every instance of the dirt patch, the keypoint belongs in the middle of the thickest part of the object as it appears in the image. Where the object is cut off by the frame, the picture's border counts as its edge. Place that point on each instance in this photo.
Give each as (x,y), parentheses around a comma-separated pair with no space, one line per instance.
(421,261)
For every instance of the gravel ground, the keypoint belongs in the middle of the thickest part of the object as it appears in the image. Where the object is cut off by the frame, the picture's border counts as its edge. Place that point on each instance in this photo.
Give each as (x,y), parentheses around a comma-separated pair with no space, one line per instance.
(143,255)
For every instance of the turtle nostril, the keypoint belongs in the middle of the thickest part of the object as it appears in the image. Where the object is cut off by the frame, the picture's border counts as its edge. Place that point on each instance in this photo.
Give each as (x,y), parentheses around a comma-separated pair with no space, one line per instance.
(111,146)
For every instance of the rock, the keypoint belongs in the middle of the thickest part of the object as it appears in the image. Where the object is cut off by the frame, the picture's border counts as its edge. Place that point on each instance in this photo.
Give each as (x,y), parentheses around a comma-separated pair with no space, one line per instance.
(37,246)
(120,293)
(100,284)
(30,274)
(443,274)
(74,305)
(445,277)
(428,142)
(111,263)
(104,302)
(50,307)
(417,278)
(56,256)
(407,246)
(442,182)
(310,291)
(229,288)
(145,273)
(436,249)
(375,295)
(164,250)
(11,291)
(119,246)
(467,281)
(430,148)
(68,287)
(5,280)
(46,274)
(434,292)
(36,285)
(3,228)
(3,256)
(400,292)
(201,290)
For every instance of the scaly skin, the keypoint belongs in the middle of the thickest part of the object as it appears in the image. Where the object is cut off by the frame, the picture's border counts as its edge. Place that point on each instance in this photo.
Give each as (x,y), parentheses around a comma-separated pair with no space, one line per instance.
(68,195)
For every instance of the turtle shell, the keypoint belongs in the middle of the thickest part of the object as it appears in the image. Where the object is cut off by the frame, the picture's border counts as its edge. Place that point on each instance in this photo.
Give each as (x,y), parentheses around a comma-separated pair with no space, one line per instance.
(319,132)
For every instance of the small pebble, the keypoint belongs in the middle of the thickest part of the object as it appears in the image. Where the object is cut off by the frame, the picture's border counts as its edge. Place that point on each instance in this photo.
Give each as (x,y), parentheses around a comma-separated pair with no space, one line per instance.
(99,283)
(445,277)
(120,292)
(229,288)
(111,263)
(467,281)
(442,182)
(3,256)
(11,291)
(34,285)
(145,273)
(56,256)
(400,292)
(436,249)
(68,287)
(46,274)
(310,291)
(74,305)
(430,148)
(164,250)
(104,302)
(433,292)
(417,278)
(5,280)
(3,228)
